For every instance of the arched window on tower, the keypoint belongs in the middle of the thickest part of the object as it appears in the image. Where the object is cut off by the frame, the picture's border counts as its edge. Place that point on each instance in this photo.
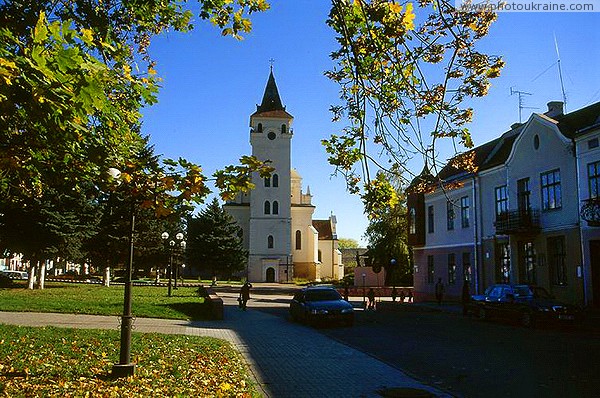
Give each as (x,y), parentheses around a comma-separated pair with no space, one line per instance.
(275,180)
(275,207)
(270,241)
(298,240)
(267,182)
(259,127)
(267,207)
(283,129)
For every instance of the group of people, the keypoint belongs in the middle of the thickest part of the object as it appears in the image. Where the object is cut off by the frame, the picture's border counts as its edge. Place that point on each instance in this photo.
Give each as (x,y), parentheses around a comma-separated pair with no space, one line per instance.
(402,296)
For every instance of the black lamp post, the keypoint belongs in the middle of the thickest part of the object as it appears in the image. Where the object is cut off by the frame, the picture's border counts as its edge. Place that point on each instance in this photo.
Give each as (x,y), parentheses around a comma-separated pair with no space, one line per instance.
(125,367)
(179,237)
(364,276)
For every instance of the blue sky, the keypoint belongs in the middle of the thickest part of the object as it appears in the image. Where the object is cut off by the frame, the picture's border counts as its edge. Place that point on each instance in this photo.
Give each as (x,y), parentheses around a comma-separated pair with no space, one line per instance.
(211,85)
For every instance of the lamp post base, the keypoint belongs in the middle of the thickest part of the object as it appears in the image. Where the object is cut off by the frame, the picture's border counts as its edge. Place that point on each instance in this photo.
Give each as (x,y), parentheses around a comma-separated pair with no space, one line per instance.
(123,370)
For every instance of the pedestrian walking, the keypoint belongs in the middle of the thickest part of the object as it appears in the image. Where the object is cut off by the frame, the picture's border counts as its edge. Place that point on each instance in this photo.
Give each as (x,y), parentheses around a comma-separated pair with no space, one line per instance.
(394,293)
(402,296)
(439,291)
(244,295)
(410,295)
(371,297)
(466,297)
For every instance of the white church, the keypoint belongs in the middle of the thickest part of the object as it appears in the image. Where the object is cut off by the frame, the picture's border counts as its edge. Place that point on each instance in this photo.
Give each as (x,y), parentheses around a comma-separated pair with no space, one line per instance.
(276,217)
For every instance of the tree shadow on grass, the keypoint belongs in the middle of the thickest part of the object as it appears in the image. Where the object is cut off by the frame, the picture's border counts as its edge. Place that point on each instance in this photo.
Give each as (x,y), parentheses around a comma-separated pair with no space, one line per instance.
(193,311)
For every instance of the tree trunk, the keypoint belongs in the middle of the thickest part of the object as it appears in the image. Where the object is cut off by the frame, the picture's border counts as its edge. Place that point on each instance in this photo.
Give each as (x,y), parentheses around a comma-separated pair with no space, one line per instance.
(31,276)
(106,277)
(41,274)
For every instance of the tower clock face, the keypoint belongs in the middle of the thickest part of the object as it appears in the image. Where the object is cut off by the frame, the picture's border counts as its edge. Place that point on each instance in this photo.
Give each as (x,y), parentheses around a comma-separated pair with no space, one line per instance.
(271,135)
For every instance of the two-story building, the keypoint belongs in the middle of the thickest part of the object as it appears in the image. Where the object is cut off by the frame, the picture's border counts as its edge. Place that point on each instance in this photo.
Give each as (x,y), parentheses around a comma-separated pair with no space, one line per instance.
(516,219)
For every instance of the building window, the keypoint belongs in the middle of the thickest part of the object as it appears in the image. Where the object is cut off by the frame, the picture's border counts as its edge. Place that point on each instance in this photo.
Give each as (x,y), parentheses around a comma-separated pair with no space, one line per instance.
(259,127)
(593,143)
(551,195)
(298,240)
(594,179)
(412,221)
(275,180)
(451,269)
(523,194)
(528,263)
(501,200)
(275,207)
(450,215)
(270,241)
(503,262)
(319,256)
(466,266)
(267,207)
(430,269)
(464,211)
(267,181)
(556,258)
(283,129)
(430,219)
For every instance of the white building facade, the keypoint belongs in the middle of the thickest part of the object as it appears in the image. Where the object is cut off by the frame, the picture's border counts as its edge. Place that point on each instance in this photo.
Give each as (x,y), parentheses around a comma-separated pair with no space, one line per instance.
(530,214)
(276,217)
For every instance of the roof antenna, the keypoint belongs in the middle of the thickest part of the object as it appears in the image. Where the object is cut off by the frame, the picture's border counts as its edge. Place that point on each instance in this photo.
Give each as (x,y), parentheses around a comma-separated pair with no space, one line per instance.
(520,94)
(562,85)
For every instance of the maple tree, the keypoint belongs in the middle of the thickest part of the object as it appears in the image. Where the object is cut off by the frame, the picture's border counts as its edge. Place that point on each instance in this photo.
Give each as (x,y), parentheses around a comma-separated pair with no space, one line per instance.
(405,70)
(74,76)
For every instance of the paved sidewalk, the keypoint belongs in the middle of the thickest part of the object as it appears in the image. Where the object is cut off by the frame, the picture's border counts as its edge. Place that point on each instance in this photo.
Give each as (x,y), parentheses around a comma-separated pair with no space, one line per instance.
(287,360)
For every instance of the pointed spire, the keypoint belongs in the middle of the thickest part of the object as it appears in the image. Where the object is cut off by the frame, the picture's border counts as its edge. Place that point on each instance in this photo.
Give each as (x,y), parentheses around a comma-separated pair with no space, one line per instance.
(271,100)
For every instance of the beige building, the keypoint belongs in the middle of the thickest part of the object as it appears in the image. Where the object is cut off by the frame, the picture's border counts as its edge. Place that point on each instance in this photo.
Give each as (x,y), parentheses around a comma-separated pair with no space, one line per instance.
(283,240)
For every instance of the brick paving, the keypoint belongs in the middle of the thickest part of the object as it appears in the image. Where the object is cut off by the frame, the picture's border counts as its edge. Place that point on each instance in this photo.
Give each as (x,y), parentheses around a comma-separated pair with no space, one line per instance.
(286,359)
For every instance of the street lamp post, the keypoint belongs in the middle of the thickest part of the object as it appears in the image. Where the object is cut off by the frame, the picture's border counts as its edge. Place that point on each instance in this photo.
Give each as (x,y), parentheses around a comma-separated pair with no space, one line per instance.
(364,277)
(165,236)
(125,367)
(179,237)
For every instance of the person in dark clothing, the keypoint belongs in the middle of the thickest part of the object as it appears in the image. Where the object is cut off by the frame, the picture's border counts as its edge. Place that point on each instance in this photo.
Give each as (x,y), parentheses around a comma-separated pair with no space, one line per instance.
(371,297)
(394,293)
(402,296)
(466,297)
(245,294)
(439,291)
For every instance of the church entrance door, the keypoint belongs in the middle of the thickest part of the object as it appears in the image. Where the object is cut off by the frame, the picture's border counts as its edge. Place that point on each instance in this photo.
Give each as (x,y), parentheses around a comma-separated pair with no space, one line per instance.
(270,274)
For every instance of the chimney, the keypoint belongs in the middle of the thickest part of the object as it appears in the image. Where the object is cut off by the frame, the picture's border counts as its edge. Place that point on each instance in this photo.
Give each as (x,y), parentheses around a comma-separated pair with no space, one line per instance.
(555,109)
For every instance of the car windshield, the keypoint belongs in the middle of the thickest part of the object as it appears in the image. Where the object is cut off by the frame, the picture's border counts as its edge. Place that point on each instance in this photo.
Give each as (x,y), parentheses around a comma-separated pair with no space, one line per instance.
(523,291)
(322,295)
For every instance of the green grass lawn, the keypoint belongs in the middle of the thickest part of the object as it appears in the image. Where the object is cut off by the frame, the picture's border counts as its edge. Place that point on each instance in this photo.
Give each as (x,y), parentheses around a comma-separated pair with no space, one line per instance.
(52,362)
(147,301)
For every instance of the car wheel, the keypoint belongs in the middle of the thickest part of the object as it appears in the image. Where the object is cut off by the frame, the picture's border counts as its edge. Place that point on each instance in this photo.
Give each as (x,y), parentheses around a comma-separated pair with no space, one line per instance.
(527,319)
(482,314)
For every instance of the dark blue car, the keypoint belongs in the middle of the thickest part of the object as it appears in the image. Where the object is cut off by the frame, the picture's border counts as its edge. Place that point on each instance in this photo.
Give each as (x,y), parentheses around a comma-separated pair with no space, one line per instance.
(319,305)
(526,304)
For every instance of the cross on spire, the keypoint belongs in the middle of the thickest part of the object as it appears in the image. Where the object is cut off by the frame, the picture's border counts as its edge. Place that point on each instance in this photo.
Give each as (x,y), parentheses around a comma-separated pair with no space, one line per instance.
(271,62)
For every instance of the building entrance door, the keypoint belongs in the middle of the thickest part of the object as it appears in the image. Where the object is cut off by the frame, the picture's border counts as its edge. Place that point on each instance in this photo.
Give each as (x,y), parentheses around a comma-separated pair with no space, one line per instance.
(595,271)
(270,274)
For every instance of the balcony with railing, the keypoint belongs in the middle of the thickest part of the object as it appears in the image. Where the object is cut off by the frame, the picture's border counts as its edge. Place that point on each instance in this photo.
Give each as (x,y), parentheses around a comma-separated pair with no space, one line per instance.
(518,222)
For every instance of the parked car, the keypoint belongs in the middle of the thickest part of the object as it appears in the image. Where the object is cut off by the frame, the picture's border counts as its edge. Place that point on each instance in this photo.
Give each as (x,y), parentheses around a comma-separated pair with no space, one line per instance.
(15,274)
(5,281)
(526,304)
(321,304)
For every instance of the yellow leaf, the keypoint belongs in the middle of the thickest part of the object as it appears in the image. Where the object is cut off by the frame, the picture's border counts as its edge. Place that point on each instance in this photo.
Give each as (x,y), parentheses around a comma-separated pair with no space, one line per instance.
(409,17)
(395,8)
(87,35)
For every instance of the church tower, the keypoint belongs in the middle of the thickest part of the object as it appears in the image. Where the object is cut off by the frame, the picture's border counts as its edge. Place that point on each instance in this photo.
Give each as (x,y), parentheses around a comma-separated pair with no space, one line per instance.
(270,202)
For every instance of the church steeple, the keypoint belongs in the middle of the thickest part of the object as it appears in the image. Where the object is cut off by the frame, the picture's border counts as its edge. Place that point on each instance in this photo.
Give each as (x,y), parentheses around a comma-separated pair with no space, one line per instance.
(271,100)
(271,104)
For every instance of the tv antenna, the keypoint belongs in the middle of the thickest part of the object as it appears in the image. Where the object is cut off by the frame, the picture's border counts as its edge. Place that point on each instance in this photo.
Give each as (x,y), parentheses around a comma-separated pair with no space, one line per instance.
(562,85)
(521,94)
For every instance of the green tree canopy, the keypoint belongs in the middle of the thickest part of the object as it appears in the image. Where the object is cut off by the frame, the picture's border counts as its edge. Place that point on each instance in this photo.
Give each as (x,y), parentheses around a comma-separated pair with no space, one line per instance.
(405,70)
(347,243)
(215,243)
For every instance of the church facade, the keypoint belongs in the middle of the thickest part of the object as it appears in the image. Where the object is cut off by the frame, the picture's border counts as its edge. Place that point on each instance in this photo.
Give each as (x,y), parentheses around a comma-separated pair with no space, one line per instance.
(276,217)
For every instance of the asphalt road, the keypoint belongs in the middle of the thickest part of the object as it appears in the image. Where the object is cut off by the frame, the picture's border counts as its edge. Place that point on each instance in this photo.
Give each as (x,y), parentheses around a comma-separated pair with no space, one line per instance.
(468,357)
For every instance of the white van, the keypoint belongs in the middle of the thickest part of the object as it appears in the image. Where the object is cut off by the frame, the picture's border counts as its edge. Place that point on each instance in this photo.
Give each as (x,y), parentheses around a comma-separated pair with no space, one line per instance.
(15,274)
